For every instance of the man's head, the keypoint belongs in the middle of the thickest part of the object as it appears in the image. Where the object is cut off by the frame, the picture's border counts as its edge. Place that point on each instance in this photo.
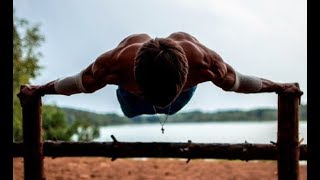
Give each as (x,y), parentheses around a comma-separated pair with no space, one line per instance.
(161,70)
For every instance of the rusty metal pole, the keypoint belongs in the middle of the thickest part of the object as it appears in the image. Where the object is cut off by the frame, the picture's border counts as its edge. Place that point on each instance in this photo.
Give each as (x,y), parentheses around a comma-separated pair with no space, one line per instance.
(288,137)
(32,137)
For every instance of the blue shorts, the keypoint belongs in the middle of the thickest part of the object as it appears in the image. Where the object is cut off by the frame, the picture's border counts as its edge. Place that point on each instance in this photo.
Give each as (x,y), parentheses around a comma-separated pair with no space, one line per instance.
(133,105)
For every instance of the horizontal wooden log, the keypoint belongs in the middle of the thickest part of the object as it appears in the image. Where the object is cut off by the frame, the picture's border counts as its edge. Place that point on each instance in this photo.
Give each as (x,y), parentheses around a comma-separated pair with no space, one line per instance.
(244,151)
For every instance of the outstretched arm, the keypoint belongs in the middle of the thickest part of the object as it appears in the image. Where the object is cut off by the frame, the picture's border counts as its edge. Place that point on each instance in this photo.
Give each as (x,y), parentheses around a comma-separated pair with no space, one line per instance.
(230,80)
(87,81)
(242,83)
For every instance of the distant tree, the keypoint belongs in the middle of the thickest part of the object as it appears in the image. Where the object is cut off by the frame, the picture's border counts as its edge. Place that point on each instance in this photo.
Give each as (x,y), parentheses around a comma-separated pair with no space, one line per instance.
(54,124)
(26,40)
(303,112)
(56,127)
(85,131)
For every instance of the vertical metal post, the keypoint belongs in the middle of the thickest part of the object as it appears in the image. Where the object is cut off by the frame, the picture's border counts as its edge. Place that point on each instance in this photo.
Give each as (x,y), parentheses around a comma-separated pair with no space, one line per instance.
(32,137)
(288,137)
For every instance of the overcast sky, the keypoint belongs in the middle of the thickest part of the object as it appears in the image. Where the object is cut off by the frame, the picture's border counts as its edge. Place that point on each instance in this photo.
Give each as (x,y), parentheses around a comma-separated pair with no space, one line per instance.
(262,38)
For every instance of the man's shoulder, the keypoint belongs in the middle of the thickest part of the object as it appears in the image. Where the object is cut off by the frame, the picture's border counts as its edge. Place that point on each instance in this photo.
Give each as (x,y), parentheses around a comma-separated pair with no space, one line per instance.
(182,36)
(180,33)
(135,38)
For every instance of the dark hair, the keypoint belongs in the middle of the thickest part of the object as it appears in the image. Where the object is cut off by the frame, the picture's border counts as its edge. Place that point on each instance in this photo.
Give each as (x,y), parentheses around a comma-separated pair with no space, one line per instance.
(161,70)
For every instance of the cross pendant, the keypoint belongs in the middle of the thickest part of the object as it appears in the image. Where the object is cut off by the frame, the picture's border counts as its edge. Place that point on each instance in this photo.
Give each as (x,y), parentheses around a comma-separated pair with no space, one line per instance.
(162,130)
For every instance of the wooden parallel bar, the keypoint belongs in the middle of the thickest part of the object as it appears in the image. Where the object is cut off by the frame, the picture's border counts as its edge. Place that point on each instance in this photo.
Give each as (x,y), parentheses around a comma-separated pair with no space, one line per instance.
(288,137)
(32,137)
(244,151)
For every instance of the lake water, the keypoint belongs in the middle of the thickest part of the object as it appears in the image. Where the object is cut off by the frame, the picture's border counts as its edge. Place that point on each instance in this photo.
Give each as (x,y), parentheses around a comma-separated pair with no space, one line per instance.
(212,132)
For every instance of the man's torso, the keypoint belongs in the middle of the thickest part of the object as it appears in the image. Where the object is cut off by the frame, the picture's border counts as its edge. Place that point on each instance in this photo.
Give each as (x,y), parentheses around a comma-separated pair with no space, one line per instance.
(119,63)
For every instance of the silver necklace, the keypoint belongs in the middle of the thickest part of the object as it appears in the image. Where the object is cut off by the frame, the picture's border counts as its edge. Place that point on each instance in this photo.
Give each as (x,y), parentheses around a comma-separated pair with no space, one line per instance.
(165,120)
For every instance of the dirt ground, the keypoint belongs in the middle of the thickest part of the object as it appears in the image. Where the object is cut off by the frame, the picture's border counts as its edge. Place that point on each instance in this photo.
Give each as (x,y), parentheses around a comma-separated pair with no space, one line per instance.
(160,169)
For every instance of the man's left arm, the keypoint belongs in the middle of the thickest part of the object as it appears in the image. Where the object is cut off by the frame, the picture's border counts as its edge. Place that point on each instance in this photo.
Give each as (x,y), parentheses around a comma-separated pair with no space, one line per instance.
(227,78)
(243,83)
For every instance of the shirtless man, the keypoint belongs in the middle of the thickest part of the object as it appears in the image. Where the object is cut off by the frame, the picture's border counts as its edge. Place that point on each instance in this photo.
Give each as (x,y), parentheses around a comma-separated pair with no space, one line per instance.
(157,75)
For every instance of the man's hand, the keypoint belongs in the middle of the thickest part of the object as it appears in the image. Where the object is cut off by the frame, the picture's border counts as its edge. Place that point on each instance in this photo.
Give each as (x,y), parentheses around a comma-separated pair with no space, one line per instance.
(29,93)
(290,88)
(30,90)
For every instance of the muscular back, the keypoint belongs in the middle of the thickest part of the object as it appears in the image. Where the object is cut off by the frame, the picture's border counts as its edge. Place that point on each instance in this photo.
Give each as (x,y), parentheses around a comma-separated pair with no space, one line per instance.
(116,66)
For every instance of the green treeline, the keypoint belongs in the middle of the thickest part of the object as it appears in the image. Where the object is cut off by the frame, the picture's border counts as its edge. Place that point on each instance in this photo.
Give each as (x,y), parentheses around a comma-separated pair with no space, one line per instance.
(194,116)
(96,119)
